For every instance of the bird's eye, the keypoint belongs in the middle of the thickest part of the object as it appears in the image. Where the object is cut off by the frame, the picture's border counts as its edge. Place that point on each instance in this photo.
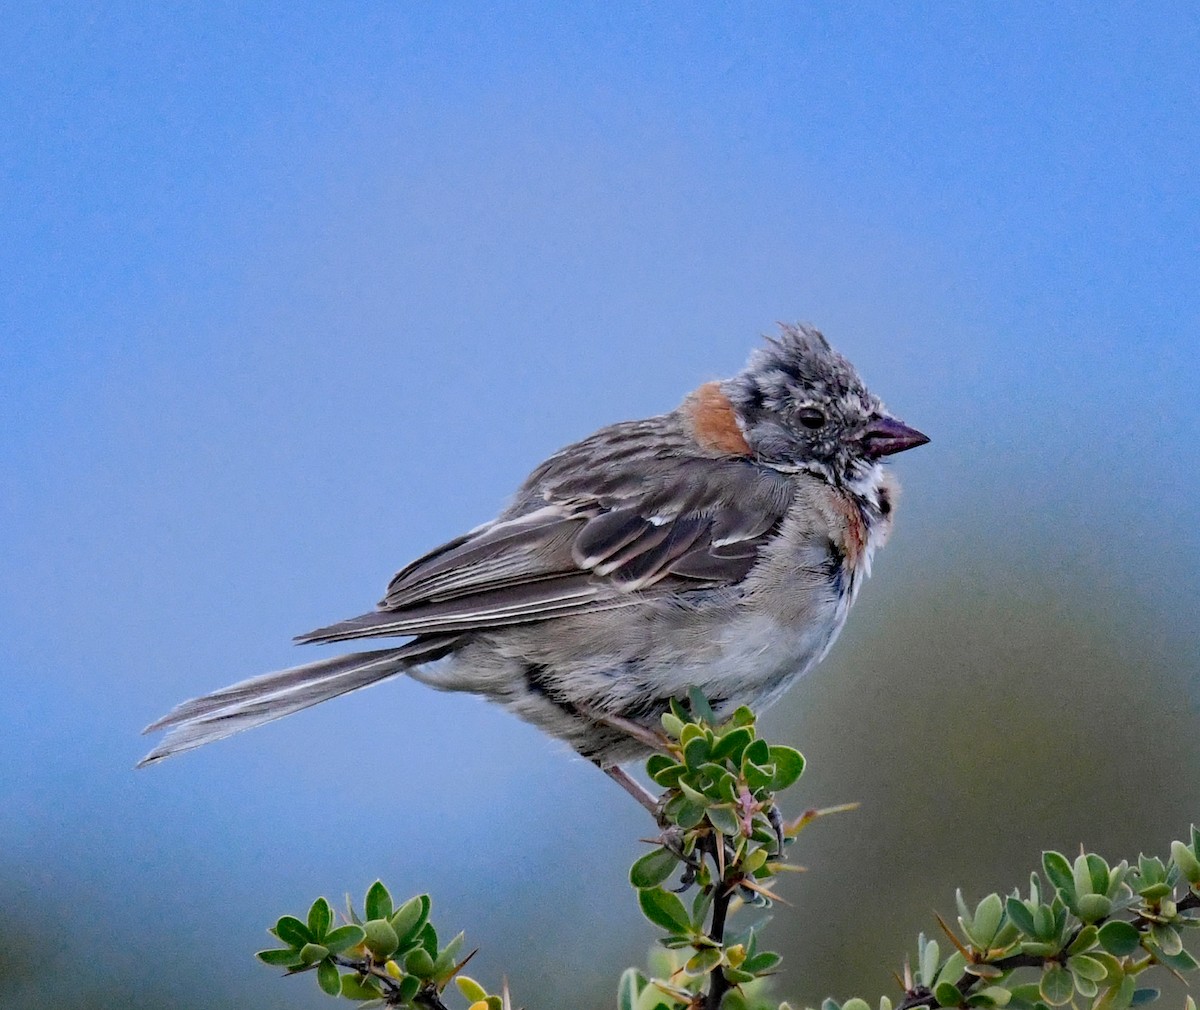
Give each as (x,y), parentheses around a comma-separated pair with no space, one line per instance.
(810,417)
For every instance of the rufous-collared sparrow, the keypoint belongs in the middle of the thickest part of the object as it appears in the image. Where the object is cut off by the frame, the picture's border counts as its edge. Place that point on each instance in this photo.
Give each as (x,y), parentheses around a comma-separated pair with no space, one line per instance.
(718,546)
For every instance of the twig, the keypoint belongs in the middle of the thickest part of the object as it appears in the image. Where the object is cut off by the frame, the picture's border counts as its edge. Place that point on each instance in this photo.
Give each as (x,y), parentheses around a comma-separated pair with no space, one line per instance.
(720,984)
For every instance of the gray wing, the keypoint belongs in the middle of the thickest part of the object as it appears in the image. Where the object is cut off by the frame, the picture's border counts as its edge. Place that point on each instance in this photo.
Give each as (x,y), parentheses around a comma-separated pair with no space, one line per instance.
(584,537)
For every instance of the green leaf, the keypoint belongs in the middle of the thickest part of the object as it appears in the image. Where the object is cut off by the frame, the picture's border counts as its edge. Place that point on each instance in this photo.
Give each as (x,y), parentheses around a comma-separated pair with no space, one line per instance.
(672,724)
(320,918)
(992,996)
(1087,967)
(744,717)
(730,746)
(663,770)
(1019,915)
(1167,938)
(653,868)
(928,956)
(429,939)
(353,988)
(703,961)
(757,776)
(1122,996)
(687,814)
(291,930)
(724,785)
(855,1003)
(1084,940)
(380,938)
(1056,985)
(410,918)
(1146,995)
(472,991)
(988,914)
(1187,862)
(328,978)
(444,963)
(1038,948)
(629,988)
(419,963)
(1120,938)
(734,1000)
(701,709)
(311,953)
(763,962)
(1081,876)
(1093,907)
(1025,995)
(664,910)
(1099,872)
(343,938)
(947,994)
(1058,872)
(407,988)
(379,901)
(288,958)
(724,820)
(757,753)
(1112,966)
(696,752)
(789,766)
(952,969)
(1183,961)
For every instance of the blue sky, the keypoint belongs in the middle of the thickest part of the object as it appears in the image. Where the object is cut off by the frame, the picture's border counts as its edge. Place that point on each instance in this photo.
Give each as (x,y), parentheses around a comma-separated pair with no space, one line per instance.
(289,295)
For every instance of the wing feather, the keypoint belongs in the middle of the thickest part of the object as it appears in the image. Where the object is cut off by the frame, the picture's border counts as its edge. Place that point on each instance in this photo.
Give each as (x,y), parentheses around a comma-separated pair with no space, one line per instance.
(642,525)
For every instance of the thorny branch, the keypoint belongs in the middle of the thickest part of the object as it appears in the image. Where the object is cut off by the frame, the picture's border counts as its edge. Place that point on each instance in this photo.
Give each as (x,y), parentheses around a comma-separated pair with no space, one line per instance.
(921,996)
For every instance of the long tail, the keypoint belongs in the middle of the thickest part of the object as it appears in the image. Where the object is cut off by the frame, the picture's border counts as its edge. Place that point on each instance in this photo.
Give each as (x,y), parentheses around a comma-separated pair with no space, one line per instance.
(274,695)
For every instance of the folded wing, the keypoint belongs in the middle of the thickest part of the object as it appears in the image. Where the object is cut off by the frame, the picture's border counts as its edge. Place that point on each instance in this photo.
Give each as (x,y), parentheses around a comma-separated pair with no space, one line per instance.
(671,523)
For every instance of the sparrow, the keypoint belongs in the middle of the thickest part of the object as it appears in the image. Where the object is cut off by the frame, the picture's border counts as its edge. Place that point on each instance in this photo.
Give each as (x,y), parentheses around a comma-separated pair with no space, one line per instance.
(718,546)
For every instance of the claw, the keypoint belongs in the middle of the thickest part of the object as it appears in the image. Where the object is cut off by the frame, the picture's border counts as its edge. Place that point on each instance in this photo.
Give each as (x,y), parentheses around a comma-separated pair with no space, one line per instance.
(776,819)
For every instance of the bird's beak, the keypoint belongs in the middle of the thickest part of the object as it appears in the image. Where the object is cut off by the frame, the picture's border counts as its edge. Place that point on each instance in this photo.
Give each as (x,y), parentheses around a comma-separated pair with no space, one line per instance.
(885,436)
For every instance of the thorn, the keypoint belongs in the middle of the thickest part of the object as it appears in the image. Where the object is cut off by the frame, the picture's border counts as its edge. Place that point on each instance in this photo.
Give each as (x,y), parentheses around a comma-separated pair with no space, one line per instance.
(764,891)
(806,818)
(953,939)
(463,963)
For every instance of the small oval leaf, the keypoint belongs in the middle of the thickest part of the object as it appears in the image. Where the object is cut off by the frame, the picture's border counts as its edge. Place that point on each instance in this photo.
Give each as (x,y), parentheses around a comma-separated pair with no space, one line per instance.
(664,910)
(653,868)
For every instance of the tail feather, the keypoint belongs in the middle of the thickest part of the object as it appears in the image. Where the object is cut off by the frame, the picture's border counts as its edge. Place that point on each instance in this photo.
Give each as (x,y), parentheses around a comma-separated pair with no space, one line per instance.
(274,695)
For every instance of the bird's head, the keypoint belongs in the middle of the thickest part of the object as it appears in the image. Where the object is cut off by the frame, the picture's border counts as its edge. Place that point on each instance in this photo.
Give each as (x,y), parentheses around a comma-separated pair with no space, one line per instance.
(801,405)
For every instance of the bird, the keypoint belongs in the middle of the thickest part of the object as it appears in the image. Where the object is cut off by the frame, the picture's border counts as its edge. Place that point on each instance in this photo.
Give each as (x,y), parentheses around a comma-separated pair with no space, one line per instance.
(716,547)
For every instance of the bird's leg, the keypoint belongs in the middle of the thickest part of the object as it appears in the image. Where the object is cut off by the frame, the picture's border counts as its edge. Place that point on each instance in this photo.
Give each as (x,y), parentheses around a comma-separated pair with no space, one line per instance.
(651,738)
(632,786)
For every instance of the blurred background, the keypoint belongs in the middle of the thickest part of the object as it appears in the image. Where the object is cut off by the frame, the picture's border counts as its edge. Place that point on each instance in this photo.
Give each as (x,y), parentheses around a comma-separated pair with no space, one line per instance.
(289,295)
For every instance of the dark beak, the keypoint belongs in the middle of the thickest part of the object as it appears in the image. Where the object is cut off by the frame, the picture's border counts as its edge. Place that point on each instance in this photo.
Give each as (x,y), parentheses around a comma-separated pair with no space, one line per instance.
(885,436)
